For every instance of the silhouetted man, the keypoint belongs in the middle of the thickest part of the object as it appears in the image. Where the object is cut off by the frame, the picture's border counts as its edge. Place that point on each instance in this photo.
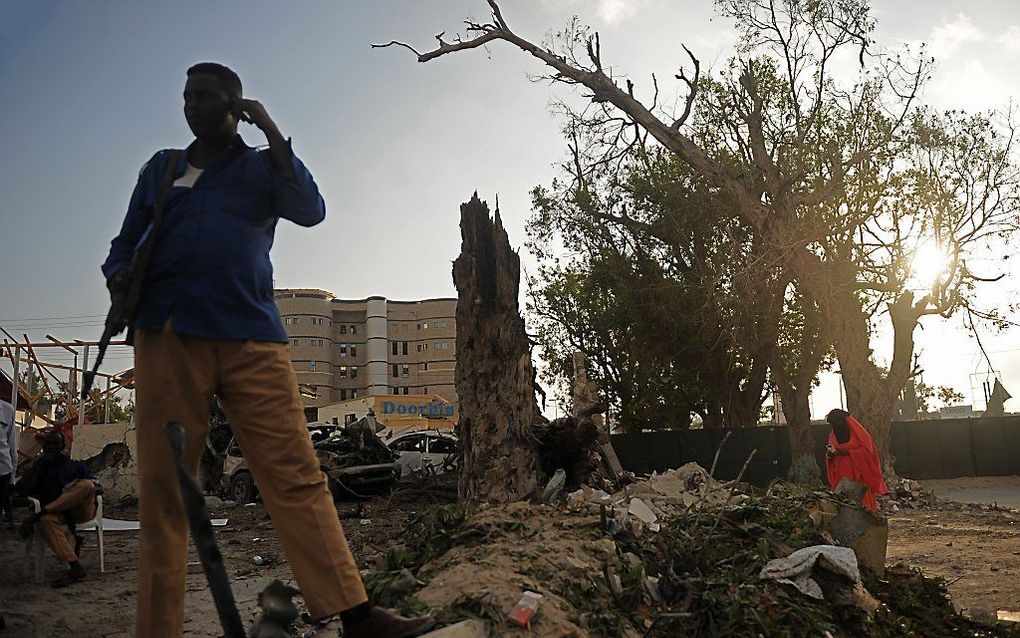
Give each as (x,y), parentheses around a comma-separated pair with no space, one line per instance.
(207,324)
(67,492)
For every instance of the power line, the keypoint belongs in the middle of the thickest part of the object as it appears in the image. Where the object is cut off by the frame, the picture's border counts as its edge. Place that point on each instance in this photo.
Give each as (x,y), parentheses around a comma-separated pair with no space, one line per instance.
(57,318)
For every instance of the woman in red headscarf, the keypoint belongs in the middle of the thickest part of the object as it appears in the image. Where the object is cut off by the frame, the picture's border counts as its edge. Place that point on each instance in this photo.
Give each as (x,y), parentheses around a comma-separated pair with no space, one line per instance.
(851,454)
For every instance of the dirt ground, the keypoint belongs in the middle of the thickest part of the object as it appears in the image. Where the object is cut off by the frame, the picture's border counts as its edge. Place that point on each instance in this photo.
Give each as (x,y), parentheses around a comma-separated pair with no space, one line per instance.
(978,550)
(103,604)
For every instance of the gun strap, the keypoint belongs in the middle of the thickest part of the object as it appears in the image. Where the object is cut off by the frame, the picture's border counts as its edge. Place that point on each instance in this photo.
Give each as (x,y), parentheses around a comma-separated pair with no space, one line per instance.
(144,251)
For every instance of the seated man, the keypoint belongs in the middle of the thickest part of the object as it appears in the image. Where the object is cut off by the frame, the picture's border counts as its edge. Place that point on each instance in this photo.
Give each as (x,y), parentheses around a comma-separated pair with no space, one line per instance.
(67,492)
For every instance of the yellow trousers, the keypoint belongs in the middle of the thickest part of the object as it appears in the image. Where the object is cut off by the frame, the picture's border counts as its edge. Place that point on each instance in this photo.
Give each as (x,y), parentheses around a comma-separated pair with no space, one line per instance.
(176,378)
(79,498)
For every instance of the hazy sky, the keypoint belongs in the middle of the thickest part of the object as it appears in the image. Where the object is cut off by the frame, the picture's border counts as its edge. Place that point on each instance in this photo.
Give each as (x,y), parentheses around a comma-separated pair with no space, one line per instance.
(92,89)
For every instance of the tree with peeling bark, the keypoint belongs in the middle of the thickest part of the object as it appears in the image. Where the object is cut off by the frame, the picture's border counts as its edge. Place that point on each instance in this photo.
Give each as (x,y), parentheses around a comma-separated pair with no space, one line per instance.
(495,378)
(846,179)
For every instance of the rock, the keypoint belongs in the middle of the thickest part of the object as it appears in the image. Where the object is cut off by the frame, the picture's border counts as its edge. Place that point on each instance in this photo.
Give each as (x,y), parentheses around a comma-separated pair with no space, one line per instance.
(605,546)
(404,583)
(554,488)
(652,587)
(641,510)
(463,629)
(851,489)
(865,533)
(213,502)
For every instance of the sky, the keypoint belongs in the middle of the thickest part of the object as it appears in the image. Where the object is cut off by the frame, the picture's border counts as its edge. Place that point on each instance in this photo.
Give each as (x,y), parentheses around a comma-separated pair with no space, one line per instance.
(91,89)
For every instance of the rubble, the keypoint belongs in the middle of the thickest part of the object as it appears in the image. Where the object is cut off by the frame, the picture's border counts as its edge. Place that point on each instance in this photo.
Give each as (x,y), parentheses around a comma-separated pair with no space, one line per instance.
(601,572)
(911,494)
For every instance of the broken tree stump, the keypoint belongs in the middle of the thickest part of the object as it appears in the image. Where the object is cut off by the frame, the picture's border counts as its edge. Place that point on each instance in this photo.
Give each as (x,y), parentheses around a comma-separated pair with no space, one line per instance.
(495,377)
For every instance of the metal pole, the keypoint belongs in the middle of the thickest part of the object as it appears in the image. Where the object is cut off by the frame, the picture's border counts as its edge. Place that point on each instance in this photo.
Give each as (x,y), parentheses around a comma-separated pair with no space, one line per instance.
(106,411)
(30,415)
(14,380)
(14,399)
(68,400)
(81,400)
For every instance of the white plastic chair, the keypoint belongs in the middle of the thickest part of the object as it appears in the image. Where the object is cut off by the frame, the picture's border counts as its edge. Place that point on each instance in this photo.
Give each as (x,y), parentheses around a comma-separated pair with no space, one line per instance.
(35,545)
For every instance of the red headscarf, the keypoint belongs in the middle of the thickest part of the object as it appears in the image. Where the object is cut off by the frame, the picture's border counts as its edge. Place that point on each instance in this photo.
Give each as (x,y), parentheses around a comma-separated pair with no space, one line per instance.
(860,463)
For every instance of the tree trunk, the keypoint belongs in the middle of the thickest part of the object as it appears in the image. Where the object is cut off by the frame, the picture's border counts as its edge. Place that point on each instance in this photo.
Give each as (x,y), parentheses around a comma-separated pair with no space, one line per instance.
(871,394)
(797,410)
(495,378)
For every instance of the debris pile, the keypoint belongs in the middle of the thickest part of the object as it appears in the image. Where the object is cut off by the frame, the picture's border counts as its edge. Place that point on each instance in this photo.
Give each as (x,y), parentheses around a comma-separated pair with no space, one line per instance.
(678,554)
(910,494)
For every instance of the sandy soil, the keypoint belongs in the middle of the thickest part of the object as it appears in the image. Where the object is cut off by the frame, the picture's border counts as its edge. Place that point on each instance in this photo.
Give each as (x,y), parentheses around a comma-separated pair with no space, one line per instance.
(978,550)
(103,604)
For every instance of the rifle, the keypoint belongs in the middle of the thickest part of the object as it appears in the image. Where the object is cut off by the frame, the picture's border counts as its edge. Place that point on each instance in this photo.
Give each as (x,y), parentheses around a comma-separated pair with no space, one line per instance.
(205,540)
(123,307)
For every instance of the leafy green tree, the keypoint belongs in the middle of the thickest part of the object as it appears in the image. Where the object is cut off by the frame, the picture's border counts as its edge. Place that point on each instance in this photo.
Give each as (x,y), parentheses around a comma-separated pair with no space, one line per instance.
(843,179)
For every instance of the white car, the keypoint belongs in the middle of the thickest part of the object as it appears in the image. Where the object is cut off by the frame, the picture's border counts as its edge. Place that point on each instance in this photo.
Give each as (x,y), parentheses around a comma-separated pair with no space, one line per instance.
(431,450)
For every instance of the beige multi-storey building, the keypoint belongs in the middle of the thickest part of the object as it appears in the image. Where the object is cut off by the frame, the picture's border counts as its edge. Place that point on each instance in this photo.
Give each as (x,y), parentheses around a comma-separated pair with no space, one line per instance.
(351,348)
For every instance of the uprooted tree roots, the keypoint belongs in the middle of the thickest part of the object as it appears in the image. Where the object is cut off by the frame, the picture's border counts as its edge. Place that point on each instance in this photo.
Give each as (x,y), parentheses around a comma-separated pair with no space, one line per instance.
(697,576)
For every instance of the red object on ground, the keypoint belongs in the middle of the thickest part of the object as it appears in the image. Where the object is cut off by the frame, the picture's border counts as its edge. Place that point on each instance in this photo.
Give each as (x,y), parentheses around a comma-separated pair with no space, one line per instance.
(860,463)
(525,609)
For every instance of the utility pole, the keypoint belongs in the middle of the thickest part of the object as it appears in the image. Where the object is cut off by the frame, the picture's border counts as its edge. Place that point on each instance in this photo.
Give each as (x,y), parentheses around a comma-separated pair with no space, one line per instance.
(81,400)
(106,411)
(14,379)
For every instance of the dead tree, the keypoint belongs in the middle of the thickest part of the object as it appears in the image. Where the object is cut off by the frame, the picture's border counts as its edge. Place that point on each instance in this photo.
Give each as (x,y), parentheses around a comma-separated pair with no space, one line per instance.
(495,377)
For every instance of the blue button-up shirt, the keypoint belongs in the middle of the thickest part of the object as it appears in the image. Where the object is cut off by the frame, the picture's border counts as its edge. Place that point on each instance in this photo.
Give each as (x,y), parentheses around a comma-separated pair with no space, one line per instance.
(210,267)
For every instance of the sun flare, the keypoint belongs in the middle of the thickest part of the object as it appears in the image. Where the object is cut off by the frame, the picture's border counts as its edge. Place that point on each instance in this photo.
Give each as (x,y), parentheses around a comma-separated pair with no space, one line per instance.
(929,264)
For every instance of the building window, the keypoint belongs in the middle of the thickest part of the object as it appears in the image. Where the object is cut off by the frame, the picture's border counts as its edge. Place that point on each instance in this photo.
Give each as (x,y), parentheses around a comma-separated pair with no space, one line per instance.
(343,349)
(425,366)
(297,342)
(295,320)
(404,346)
(354,330)
(423,347)
(343,329)
(396,373)
(343,394)
(407,390)
(354,394)
(342,371)
(425,390)
(354,350)
(311,366)
(396,345)
(406,372)
(441,345)
(354,372)
(350,418)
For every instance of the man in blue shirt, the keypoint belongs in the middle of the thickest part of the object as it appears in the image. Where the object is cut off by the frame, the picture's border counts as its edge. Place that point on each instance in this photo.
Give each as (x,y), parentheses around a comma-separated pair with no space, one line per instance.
(207,325)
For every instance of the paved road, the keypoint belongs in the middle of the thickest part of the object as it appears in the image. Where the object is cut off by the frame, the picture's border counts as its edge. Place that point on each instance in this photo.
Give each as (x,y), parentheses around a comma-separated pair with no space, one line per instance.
(1003,496)
(1002,490)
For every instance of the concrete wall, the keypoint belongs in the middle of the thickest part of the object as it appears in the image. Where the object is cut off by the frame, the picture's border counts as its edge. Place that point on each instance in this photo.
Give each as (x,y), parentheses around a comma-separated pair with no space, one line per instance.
(120,482)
